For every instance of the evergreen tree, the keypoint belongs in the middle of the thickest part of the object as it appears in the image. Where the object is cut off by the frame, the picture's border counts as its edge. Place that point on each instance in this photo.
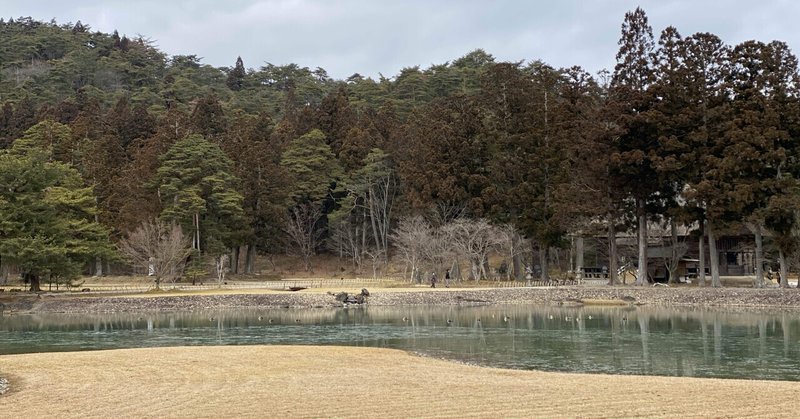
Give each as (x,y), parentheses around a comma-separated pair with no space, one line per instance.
(442,159)
(138,202)
(759,143)
(208,119)
(312,167)
(628,102)
(198,191)
(264,183)
(335,118)
(313,173)
(236,76)
(47,223)
(705,58)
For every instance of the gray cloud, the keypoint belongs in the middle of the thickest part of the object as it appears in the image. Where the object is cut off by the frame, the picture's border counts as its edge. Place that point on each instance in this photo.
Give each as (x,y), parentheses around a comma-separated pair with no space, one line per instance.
(372,37)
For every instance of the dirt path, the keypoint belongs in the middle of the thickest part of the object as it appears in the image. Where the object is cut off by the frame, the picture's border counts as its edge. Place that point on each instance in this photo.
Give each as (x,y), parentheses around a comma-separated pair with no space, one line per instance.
(307,381)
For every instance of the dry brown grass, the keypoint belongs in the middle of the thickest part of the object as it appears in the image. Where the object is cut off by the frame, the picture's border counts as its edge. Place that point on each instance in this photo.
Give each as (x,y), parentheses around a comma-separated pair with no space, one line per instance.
(306,381)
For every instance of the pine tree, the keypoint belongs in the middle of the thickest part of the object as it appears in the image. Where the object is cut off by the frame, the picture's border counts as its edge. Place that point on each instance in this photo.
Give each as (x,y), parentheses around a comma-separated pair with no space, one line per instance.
(313,172)
(47,223)
(199,192)
(312,167)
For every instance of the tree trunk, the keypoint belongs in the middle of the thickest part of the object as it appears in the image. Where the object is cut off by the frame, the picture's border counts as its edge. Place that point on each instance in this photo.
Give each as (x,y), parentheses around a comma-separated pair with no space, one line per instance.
(35,283)
(641,276)
(784,271)
(613,269)
(250,259)
(673,263)
(235,250)
(517,263)
(363,243)
(197,231)
(713,256)
(701,264)
(579,257)
(98,266)
(373,221)
(455,271)
(543,263)
(98,262)
(759,282)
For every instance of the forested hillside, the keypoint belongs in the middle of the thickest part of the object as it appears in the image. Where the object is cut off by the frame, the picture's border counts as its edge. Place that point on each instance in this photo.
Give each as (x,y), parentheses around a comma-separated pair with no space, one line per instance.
(433,168)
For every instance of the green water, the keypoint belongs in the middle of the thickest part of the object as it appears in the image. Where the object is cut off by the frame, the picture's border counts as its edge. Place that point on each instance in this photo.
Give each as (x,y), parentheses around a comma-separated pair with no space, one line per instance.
(698,343)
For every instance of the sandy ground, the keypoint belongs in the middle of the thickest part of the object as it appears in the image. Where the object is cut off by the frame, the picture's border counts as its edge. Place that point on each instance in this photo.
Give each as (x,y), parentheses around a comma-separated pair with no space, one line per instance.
(307,381)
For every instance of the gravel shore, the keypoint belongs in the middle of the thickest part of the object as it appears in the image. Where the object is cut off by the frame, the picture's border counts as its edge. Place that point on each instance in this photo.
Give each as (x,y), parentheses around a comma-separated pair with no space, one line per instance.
(660,296)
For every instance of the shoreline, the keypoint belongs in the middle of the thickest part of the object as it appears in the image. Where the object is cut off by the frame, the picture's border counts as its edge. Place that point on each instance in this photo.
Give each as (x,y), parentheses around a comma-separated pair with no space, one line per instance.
(770,298)
(319,381)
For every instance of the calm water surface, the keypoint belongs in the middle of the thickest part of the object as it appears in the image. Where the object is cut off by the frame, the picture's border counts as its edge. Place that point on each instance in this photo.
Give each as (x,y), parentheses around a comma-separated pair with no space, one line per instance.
(650,341)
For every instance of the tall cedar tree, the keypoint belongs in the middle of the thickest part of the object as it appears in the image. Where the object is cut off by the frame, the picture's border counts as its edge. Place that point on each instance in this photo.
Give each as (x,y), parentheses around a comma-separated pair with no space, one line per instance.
(522,122)
(264,182)
(236,76)
(705,58)
(671,156)
(581,194)
(208,119)
(632,167)
(443,166)
(139,202)
(129,123)
(759,146)
(359,141)
(335,118)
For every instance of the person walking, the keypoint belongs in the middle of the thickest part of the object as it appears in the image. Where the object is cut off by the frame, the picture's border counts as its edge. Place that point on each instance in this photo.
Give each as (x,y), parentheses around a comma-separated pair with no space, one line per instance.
(433,280)
(447,279)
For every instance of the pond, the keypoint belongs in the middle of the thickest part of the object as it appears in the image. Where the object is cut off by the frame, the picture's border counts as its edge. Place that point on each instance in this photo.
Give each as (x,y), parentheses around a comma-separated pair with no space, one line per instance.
(612,340)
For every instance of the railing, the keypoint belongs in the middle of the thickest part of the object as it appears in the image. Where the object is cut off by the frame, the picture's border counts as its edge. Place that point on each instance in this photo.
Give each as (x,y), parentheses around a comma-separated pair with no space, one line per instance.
(305,283)
(282,284)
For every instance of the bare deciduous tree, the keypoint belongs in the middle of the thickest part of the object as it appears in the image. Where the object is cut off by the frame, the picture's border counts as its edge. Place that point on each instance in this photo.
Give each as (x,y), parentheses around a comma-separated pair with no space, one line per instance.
(411,238)
(303,231)
(222,266)
(376,255)
(346,240)
(160,248)
(514,245)
(475,239)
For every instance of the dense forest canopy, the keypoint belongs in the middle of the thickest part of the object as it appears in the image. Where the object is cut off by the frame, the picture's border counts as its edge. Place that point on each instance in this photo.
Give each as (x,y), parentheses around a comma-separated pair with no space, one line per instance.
(432,167)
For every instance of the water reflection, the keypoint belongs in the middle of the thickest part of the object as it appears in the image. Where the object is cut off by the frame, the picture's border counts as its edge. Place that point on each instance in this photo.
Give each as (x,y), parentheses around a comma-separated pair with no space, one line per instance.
(618,340)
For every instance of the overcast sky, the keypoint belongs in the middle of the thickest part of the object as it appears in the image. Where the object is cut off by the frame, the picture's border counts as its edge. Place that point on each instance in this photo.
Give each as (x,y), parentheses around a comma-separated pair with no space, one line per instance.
(380,36)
